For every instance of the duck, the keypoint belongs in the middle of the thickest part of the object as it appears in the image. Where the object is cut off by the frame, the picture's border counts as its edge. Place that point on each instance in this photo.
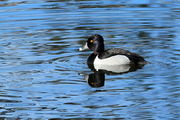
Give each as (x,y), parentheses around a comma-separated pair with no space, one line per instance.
(109,57)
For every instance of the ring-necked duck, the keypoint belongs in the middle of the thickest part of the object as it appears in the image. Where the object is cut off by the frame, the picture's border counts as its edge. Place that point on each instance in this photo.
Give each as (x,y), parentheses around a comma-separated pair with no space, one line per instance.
(114,56)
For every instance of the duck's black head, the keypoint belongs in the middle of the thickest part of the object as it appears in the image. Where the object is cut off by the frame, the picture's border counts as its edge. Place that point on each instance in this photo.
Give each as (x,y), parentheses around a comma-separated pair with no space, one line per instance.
(96,43)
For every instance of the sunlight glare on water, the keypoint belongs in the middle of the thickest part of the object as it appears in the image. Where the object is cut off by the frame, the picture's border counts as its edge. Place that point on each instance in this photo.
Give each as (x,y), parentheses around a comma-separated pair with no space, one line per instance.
(44,76)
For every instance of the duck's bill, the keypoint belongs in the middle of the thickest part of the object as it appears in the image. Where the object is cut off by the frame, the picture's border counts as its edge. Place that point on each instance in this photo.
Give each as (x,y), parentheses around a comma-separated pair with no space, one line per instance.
(84,47)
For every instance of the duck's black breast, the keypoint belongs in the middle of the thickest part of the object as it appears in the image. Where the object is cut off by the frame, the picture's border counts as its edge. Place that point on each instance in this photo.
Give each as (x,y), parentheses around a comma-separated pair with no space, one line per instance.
(90,61)
(91,58)
(133,57)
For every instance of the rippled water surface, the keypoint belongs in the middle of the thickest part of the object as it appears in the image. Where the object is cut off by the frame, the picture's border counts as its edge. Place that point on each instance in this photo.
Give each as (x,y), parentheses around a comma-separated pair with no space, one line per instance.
(44,76)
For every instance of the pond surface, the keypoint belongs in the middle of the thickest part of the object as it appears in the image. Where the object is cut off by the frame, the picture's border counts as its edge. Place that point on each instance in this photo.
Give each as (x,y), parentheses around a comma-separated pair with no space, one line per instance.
(44,76)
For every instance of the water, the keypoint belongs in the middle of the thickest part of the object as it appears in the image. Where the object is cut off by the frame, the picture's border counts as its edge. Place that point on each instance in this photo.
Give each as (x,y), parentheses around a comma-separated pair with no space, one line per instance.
(44,76)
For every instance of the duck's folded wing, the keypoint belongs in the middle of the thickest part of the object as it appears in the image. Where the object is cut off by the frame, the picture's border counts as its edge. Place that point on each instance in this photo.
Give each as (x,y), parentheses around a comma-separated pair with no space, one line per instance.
(135,58)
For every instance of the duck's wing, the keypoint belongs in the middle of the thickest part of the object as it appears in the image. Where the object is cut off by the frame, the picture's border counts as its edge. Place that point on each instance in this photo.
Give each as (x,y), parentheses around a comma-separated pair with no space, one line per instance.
(137,59)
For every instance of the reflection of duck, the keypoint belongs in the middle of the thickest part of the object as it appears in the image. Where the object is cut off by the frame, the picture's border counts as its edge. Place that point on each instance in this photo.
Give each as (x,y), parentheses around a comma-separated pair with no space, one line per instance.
(97,78)
(115,56)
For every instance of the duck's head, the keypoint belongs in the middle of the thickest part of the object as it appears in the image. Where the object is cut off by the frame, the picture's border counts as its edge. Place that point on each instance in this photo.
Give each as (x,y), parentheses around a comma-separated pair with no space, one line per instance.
(94,43)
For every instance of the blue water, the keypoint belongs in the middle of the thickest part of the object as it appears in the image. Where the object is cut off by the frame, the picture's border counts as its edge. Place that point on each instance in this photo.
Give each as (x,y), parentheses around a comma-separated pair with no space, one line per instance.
(44,76)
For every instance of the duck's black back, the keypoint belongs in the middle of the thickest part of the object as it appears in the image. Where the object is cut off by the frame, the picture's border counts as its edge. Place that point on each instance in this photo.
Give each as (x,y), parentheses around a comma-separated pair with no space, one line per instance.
(134,58)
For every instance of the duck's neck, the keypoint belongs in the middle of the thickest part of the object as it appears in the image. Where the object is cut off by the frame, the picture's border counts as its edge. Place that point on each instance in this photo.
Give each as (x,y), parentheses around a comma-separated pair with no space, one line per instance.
(99,49)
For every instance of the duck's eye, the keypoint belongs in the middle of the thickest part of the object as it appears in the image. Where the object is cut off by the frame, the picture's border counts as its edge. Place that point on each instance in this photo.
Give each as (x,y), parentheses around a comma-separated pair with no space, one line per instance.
(91,41)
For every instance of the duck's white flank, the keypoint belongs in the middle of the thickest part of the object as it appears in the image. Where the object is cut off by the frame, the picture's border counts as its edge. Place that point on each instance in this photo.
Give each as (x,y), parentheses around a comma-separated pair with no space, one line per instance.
(113,68)
(114,60)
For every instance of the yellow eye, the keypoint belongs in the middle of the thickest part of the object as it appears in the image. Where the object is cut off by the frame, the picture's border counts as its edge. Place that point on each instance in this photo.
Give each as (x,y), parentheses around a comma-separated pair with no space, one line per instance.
(91,41)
